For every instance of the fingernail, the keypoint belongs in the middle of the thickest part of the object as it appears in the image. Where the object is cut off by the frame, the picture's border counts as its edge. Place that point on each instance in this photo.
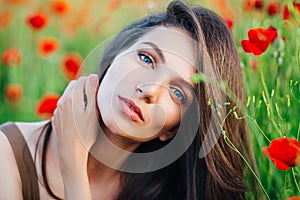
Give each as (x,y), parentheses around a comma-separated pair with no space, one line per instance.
(93,79)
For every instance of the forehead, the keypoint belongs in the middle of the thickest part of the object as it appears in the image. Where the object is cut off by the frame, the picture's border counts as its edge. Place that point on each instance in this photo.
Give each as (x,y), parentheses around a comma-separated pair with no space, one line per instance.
(177,46)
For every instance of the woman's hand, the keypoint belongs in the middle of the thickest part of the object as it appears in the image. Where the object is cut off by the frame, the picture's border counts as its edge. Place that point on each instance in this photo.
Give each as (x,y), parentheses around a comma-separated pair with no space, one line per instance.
(75,124)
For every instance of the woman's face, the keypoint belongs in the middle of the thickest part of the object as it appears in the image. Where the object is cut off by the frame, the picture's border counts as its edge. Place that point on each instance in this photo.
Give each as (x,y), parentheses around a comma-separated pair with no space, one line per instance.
(148,87)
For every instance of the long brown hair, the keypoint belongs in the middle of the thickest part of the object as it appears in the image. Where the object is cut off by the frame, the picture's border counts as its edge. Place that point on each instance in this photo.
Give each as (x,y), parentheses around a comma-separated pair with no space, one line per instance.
(220,174)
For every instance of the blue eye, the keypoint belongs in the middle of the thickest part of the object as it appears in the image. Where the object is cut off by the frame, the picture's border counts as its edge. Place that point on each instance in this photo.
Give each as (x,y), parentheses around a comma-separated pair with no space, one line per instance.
(178,95)
(146,59)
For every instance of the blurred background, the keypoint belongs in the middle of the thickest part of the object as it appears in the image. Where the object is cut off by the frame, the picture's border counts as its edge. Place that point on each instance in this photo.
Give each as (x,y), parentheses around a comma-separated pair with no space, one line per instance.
(44,42)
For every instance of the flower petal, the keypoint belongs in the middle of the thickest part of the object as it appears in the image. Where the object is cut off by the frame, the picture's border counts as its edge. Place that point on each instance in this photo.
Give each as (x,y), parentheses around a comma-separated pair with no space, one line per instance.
(293,198)
(284,152)
(71,64)
(12,56)
(284,149)
(37,20)
(48,46)
(47,104)
(251,48)
(279,164)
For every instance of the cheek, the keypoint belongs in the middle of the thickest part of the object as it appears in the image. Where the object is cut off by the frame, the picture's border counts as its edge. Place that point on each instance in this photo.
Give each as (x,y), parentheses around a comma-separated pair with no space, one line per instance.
(124,64)
(123,73)
(115,77)
(166,115)
(174,116)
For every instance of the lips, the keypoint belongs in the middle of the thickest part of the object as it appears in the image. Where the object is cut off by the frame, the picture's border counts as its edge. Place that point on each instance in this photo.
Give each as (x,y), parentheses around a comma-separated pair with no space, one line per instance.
(131,109)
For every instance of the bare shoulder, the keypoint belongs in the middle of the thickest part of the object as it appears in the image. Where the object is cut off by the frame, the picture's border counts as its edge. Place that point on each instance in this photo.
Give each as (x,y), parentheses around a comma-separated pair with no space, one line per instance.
(10,184)
(31,130)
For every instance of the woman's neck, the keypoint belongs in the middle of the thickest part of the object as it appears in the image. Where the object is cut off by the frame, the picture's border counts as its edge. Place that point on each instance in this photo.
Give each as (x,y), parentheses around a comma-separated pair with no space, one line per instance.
(111,150)
(105,159)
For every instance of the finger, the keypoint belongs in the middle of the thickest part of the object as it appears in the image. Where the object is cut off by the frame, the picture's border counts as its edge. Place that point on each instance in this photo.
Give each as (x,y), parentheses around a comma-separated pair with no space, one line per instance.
(78,92)
(54,120)
(91,88)
(67,91)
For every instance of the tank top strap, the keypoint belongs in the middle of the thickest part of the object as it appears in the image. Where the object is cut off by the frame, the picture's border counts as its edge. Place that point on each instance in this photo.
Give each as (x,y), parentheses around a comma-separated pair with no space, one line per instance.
(26,166)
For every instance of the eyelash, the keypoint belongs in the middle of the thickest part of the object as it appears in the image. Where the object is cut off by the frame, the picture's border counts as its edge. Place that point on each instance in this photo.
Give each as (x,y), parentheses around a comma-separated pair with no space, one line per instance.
(183,100)
(148,56)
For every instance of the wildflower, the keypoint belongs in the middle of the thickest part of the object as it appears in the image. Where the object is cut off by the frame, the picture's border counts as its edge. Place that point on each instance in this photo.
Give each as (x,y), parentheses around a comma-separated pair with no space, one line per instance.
(283,152)
(286,11)
(273,9)
(229,23)
(48,46)
(293,198)
(259,40)
(71,63)
(60,7)
(37,20)
(113,5)
(248,101)
(258,4)
(253,4)
(268,109)
(47,105)
(254,64)
(13,92)
(6,18)
(12,56)
(288,100)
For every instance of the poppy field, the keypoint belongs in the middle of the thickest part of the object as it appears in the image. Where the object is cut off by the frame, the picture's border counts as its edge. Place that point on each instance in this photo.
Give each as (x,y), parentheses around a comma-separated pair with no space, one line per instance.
(44,43)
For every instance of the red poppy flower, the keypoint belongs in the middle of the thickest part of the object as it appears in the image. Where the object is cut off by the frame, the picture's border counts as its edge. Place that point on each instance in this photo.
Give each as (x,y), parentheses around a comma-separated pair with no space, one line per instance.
(283,152)
(258,4)
(13,92)
(296,6)
(12,56)
(48,46)
(253,4)
(293,198)
(71,63)
(229,23)
(37,20)
(254,64)
(113,5)
(273,8)
(6,18)
(47,105)
(60,7)
(259,40)
(286,12)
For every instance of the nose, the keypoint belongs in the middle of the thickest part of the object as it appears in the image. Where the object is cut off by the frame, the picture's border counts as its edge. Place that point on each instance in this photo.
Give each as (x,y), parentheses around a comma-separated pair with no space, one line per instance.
(149,92)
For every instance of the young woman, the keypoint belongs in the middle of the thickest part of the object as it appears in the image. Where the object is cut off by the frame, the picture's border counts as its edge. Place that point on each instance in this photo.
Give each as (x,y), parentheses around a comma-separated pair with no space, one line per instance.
(144,129)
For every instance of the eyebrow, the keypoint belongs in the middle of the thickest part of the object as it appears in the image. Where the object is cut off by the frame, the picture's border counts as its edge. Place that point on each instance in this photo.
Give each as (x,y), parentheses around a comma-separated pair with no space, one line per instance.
(187,84)
(157,50)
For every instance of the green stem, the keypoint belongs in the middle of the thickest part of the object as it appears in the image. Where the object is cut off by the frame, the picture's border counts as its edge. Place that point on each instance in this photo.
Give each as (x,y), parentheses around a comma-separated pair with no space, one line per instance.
(276,127)
(298,133)
(232,146)
(262,132)
(223,121)
(285,180)
(262,77)
(296,183)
